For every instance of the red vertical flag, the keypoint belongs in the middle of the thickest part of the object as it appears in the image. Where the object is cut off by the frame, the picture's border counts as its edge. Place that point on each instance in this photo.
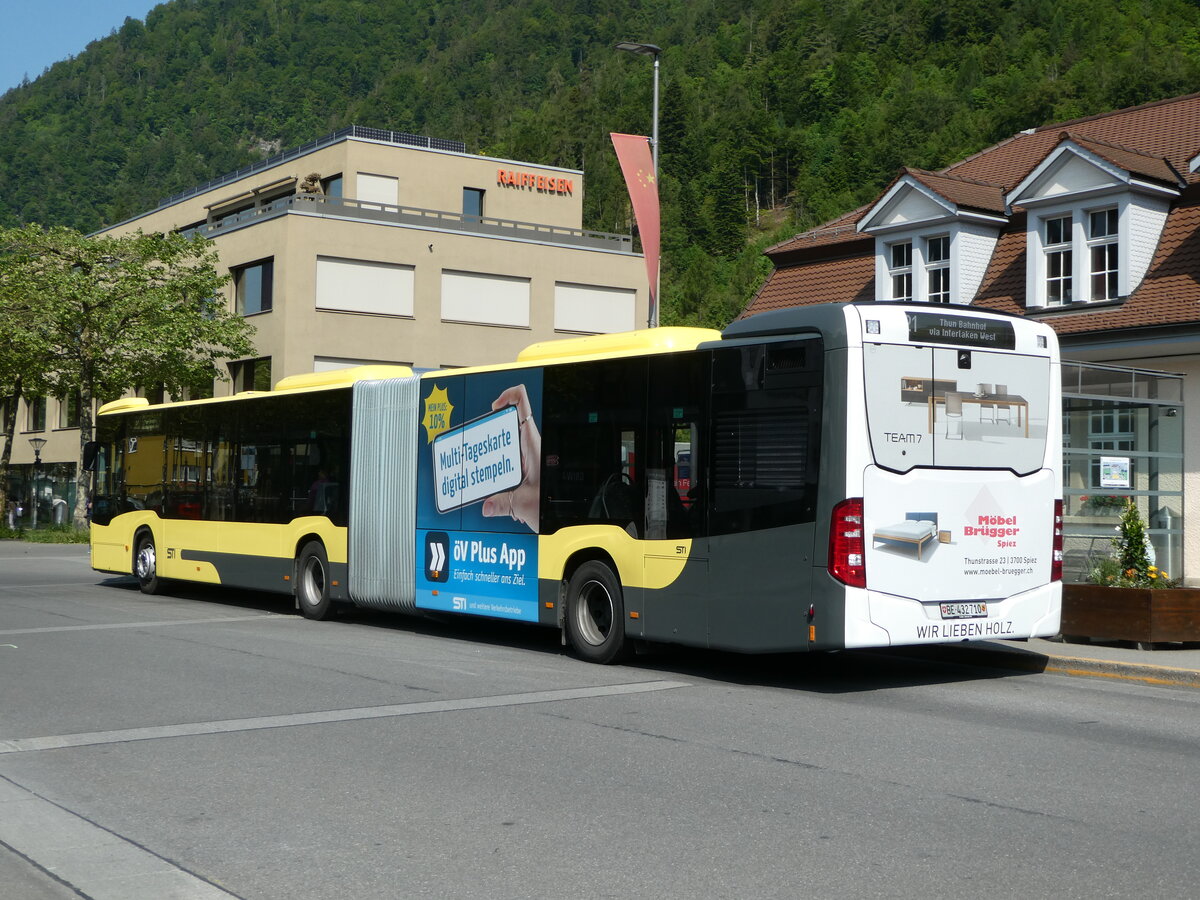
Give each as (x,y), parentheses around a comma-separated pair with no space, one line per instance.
(637,165)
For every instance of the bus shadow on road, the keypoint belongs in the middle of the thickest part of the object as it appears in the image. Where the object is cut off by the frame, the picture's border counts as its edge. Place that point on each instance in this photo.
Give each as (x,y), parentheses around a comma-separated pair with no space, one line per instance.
(825,672)
(214,594)
(838,672)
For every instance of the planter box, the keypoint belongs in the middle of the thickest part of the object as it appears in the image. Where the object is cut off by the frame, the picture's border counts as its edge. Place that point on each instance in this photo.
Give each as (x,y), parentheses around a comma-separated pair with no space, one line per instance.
(1131,614)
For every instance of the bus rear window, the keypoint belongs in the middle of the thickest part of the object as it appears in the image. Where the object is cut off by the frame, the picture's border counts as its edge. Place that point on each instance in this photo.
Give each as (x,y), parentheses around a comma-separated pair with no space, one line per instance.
(956,408)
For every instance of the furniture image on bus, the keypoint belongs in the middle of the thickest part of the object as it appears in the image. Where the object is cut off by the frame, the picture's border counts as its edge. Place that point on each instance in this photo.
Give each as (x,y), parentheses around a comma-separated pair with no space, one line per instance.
(917,529)
(915,389)
(995,399)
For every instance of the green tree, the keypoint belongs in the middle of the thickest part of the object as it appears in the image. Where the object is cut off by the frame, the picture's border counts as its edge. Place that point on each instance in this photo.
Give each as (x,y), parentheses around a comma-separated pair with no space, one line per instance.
(1130,543)
(105,314)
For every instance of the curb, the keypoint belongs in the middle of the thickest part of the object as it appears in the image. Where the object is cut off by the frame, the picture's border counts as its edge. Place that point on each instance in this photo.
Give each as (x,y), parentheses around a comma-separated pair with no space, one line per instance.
(993,657)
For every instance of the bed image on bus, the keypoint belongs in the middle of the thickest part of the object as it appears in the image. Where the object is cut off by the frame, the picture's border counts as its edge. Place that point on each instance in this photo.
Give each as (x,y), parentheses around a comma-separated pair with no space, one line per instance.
(857,475)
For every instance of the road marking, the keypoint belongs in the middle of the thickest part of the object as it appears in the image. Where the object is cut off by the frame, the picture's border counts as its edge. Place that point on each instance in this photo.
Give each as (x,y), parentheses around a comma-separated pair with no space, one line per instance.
(42,584)
(89,858)
(33,557)
(160,623)
(226,726)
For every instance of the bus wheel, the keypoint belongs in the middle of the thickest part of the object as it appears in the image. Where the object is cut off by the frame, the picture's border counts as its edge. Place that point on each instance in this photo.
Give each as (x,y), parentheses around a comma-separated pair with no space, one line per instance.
(145,565)
(312,582)
(596,613)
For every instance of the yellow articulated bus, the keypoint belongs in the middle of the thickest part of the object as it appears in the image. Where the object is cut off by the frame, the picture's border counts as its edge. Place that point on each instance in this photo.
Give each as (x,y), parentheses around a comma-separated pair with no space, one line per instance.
(844,475)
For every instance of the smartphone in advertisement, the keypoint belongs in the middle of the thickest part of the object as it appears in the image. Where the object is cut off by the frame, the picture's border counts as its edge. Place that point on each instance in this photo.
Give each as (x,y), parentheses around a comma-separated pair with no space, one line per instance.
(477,459)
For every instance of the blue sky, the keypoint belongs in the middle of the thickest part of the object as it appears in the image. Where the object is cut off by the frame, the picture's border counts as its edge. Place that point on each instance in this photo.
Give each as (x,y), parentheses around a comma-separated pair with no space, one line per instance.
(39,33)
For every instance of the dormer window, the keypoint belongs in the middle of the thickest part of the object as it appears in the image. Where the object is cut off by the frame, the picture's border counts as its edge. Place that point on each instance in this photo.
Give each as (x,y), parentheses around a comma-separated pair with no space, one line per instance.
(934,234)
(900,270)
(1095,214)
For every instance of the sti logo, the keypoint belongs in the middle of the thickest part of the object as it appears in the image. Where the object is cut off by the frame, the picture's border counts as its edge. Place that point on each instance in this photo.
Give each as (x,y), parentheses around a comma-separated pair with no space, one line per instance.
(437,556)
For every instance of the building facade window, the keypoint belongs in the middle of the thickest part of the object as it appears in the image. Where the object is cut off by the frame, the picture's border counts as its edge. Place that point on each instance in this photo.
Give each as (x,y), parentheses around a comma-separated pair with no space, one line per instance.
(472,204)
(154,393)
(332,186)
(254,287)
(68,411)
(900,270)
(1103,255)
(251,374)
(937,268)
(36,418)
(1059,260)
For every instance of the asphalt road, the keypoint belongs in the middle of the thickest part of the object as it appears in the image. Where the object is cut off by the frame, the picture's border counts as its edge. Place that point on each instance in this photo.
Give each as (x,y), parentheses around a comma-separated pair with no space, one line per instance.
(213,744)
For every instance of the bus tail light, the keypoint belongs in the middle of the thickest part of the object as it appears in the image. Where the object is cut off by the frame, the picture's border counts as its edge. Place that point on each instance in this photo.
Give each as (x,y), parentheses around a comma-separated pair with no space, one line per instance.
(847,550)
(1056,557)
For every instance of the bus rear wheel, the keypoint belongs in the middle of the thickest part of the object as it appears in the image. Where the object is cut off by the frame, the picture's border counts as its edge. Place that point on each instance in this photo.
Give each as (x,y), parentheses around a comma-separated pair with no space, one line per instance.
(312,582)
(145,565)
(596,613)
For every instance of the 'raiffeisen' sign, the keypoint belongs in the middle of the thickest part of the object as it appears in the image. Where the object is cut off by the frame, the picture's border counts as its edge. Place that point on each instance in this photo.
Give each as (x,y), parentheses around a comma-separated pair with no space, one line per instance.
(529,181)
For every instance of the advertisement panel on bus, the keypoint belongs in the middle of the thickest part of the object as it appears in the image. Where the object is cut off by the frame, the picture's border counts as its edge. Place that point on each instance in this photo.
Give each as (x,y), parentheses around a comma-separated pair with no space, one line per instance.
(478,494)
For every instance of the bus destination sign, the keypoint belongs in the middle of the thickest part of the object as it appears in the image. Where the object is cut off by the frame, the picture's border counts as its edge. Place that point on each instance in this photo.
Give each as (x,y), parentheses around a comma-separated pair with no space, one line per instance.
(940,328)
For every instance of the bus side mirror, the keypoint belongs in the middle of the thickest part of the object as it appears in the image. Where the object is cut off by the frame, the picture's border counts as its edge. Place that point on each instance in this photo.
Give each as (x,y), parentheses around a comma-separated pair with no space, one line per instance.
(91,454)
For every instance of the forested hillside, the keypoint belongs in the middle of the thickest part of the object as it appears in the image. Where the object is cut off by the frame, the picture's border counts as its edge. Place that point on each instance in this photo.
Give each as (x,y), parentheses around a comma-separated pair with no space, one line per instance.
(776,114)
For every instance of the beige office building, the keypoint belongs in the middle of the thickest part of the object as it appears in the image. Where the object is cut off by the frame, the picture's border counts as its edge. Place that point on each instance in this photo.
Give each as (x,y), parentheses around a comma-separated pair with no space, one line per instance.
(372,246)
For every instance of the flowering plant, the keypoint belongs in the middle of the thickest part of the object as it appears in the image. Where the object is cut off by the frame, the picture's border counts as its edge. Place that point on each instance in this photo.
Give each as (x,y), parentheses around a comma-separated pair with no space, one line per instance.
(1129,564)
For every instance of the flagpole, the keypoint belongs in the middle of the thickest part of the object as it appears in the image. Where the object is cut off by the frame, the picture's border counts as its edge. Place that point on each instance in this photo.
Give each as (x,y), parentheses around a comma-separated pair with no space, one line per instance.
(656,52)
(654,301)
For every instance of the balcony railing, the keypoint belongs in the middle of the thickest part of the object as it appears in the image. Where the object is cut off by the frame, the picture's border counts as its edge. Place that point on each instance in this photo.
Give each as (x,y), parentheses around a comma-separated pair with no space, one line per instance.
(402,138)
(414,217)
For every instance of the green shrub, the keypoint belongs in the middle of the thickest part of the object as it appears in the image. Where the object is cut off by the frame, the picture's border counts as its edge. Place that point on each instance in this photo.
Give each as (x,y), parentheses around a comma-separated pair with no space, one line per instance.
(1129,564)
(52,534)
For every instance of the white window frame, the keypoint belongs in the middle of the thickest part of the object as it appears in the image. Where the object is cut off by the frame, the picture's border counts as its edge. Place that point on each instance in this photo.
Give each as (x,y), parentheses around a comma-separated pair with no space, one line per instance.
(1061,252)
(938,268)
(903,273)
(1080,246)
(1110,244)
(918,273)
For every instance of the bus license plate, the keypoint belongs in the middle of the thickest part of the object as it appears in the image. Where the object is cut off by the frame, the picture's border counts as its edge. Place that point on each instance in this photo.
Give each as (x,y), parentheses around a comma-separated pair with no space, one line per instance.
(964,610)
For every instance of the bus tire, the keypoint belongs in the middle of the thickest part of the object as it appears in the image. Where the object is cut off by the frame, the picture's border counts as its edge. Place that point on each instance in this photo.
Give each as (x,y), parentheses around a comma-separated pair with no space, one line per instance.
(312,582)
(596,613)
(145,565)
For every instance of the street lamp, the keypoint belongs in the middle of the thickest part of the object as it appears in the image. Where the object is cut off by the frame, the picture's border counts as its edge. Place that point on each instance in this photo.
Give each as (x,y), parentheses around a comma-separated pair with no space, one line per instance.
(37,444)
(656,52)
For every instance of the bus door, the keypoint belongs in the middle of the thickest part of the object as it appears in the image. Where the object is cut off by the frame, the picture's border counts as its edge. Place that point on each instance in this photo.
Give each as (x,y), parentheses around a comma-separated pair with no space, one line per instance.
(675,549)
(762,474)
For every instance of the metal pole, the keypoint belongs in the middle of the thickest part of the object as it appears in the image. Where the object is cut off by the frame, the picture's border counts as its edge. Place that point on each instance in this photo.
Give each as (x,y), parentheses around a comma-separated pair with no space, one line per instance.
(654,51)
(654,139)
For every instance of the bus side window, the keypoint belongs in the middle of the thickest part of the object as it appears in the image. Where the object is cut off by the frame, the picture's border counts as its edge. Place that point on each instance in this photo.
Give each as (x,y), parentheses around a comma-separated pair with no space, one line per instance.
(766,422)
(678,405)
(592,445)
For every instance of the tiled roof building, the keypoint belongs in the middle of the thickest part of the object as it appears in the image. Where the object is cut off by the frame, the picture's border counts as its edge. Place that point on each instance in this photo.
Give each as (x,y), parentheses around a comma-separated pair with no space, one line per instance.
(1092,225)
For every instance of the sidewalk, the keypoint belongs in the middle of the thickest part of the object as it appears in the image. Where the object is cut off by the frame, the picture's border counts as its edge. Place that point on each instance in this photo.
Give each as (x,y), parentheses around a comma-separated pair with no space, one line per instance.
(1171,664)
